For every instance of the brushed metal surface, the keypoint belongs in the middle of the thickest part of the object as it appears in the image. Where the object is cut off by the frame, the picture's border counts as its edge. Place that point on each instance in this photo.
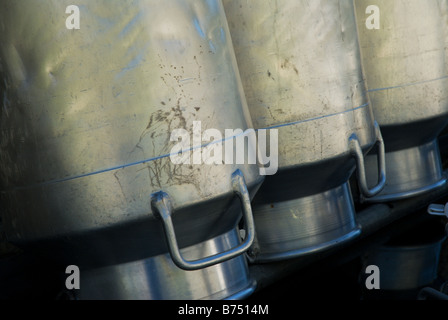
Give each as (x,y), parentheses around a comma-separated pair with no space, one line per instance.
(301,70)
(406,73)
(158,278)
(86,120)
(410,261)
(305,225)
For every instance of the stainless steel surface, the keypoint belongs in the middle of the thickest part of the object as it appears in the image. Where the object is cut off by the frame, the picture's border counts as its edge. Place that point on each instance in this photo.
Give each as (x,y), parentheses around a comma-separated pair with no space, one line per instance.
(361,174)
(406,268)
(301,70)
(86,120)
(378,223)
(409,172)
(158,278)
(303,226)
(163,208)
(406,74)
(408,265)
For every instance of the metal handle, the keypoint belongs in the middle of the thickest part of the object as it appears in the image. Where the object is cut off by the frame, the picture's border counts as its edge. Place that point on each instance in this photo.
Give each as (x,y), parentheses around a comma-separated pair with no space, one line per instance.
(429,293)
(437,210)
(356,150)
(163,209)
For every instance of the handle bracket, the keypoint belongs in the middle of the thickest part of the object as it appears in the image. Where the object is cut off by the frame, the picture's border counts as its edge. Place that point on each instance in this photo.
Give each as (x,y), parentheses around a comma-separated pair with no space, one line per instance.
(438,209)
(356,151)
(162,207)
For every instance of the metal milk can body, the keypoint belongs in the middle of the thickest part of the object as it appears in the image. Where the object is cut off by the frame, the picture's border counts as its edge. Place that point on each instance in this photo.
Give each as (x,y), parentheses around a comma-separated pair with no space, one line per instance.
(86,146)
(301,70)
(405,66)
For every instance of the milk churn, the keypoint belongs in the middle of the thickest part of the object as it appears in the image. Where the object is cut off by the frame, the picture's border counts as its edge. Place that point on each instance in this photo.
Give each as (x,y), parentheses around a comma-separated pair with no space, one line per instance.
(300,66)
(103,161)
(403,49)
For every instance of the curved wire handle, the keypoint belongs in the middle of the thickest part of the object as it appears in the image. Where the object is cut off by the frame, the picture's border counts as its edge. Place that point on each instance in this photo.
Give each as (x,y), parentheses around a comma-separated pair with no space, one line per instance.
(163,209)
(356,150)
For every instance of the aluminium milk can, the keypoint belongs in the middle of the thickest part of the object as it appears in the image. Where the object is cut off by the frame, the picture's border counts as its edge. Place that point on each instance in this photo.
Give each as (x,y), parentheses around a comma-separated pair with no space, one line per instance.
(91,95)
(301,70)
(404,60)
